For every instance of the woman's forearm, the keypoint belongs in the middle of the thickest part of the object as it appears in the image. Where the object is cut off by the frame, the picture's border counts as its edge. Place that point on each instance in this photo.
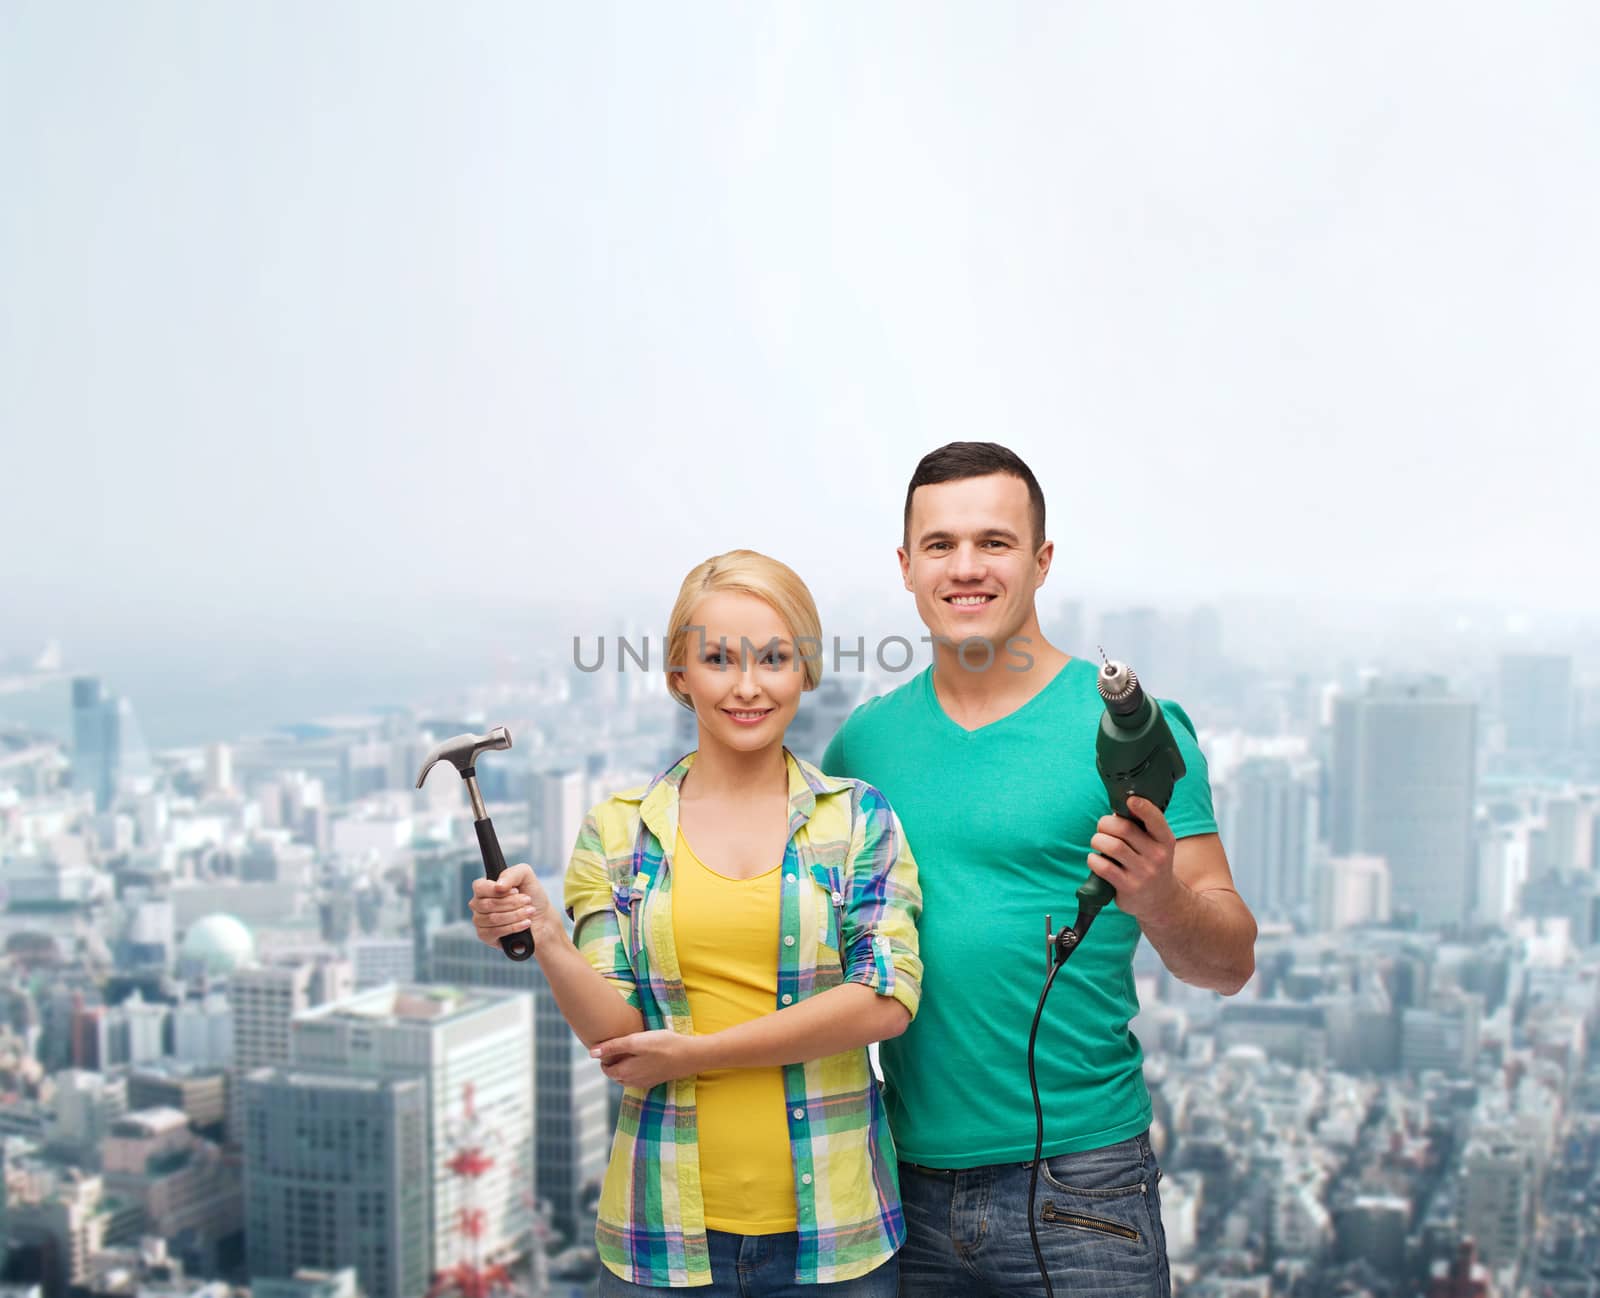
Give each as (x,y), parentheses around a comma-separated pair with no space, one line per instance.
(590,1004)
(841,1018)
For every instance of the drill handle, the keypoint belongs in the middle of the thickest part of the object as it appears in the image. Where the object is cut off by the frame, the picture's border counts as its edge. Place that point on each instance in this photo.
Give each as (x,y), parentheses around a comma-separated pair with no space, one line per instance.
(1096,893)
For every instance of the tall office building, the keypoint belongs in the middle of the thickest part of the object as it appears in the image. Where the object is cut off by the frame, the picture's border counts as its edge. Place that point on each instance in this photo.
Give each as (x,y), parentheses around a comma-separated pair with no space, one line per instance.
(453,1039)
(219,768)
(263,1000)
(1497,1195)
(336,1173)
(571,1095)
(560,802)
(109,754)
(441,889)
(1349,892)
(1401,784)
(1269,824)
(1502,873)
(1567,845)
(1536,702)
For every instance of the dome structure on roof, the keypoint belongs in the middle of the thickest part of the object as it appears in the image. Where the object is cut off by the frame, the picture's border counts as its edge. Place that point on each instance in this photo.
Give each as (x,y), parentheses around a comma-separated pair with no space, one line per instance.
(217,944)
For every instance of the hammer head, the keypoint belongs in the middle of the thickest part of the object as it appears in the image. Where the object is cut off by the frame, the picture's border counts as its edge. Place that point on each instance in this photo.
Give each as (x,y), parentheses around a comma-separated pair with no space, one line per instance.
(461,751)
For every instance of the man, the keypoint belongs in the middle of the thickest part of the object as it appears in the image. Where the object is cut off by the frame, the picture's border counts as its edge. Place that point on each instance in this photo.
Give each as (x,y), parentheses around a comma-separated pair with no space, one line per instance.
(988,759)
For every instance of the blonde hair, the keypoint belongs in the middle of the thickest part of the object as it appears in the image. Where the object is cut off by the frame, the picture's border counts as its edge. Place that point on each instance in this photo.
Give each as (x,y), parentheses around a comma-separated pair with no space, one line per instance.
(750,573)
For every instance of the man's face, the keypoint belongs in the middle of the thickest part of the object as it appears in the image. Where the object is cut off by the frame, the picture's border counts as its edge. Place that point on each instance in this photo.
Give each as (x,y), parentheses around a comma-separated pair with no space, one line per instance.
(970,560)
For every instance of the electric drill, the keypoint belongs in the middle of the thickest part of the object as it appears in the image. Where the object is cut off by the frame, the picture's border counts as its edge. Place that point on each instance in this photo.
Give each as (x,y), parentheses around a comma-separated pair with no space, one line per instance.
(1137,757)
(1135,754)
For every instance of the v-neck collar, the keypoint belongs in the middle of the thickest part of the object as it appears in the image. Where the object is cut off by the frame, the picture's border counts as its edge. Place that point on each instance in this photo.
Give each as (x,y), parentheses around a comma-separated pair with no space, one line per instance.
(942,717)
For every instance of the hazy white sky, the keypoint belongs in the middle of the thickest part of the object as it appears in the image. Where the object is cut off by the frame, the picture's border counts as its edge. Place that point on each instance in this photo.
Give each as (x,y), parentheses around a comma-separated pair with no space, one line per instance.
(332,305)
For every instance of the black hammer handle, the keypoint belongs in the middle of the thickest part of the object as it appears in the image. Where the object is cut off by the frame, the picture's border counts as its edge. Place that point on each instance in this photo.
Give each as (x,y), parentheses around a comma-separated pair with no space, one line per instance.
(519,945)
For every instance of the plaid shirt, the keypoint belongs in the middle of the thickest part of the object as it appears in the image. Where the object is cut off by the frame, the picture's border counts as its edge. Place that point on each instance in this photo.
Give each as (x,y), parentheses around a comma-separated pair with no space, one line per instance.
(849,905)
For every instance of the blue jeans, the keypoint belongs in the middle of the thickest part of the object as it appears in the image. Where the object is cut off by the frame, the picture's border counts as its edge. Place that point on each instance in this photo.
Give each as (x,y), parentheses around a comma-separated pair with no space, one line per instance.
(760,1266)
(1098,1215)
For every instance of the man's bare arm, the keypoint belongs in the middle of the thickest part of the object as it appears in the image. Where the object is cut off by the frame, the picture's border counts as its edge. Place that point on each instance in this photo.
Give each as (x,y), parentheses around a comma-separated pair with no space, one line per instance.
(1205,934)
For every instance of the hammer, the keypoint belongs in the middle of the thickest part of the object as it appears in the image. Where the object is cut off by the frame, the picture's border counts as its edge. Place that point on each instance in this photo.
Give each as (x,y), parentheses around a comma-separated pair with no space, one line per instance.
(461,751)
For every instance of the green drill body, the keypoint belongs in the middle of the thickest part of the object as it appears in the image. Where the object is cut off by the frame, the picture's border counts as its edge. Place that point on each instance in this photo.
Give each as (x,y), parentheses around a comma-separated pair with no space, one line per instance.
(1136,755)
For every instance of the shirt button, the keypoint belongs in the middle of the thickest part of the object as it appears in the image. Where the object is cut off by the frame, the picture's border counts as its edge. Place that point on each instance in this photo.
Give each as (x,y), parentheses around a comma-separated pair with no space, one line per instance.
(805,1178)
(789,877)
(799,1113)
(837,898)
(787,998)
(788,939)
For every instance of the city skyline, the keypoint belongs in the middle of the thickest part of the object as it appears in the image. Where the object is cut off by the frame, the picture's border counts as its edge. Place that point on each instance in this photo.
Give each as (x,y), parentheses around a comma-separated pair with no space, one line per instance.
(364,366)
(191,693)
(259,926)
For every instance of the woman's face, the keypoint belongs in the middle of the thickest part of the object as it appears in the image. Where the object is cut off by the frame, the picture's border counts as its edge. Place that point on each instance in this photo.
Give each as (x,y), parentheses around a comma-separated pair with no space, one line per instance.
(741,671)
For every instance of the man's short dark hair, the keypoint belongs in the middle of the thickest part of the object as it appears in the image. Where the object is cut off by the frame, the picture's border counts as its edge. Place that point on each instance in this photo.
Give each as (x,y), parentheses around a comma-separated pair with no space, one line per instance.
(958,460)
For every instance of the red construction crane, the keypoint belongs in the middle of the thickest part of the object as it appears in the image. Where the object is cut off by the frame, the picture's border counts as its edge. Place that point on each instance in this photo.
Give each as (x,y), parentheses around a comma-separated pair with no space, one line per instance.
(471,1276)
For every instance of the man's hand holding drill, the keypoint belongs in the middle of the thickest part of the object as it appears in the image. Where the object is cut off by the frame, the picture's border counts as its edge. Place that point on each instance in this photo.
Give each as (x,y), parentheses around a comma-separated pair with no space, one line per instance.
(1137,861)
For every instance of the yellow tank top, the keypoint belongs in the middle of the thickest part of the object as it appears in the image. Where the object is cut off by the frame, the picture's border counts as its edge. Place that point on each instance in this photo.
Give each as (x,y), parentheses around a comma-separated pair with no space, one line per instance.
(726,932)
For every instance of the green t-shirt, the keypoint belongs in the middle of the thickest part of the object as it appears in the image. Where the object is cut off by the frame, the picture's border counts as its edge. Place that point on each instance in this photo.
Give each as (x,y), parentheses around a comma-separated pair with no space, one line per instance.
(999,820)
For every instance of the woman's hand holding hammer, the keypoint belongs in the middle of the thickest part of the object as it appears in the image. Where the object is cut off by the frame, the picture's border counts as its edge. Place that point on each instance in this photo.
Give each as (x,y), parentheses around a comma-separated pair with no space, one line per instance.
(514,902)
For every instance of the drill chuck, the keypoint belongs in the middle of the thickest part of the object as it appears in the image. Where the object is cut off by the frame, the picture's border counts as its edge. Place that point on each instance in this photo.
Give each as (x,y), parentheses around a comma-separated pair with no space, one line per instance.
(1120,688)
(1134,753)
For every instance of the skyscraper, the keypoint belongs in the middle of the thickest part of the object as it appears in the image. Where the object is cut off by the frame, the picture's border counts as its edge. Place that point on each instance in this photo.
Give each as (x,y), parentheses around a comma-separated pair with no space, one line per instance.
(1401,785)
(108,749)
(440,892)
(264,1000)
(561,801)
(1565,844)
(1536,701)
(1497,1194)
(450,1038)
(1269,824)
(1502,872)
(1348,891)
(336,1173)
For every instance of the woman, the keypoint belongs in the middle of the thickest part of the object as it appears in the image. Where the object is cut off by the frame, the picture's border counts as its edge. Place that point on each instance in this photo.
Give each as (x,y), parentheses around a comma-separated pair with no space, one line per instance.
(743,927)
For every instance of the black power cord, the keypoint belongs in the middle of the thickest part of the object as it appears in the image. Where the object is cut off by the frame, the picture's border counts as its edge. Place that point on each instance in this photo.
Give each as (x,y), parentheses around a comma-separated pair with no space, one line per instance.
(1062,945)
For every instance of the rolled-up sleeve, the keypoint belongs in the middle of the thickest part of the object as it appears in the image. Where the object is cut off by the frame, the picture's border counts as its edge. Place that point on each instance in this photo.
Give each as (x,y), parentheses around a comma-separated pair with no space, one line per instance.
(883,905)
(592,909)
